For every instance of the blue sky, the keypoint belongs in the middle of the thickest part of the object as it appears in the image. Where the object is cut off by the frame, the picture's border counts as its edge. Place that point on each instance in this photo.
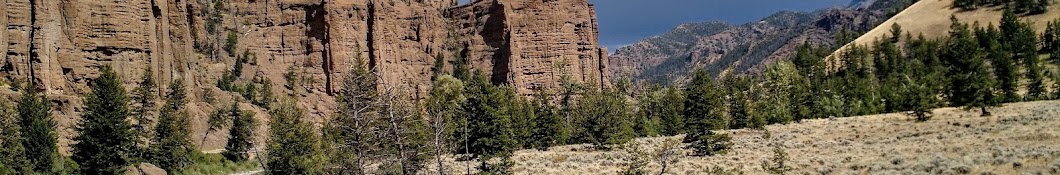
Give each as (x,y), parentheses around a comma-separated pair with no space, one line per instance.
(627,21)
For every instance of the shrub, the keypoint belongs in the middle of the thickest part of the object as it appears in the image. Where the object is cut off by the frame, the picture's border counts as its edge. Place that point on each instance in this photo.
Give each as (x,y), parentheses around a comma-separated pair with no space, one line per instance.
(230,44)
(778,164)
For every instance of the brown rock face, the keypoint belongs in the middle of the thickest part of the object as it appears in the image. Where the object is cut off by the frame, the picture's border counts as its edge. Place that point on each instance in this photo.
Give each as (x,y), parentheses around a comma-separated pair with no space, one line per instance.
(59,45)
(532,44)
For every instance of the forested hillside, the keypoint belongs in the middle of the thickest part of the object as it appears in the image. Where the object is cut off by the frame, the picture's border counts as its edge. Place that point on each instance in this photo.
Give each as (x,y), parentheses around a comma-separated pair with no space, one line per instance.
(747,48)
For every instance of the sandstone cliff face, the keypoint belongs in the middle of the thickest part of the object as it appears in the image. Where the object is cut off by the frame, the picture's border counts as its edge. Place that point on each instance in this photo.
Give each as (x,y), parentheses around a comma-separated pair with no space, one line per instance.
(534,44)
(61,44)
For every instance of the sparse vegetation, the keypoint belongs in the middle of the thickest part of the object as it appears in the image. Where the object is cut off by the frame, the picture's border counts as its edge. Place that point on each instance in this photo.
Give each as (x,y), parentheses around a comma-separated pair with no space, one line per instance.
(778,164)
(203,164)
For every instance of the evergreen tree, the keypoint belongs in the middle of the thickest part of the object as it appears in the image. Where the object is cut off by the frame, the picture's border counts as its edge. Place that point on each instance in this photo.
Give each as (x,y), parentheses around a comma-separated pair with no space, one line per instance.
(294,147)
(1040,6)
(241,136)
(550,130)
(11,141)
(965,4)
(1025,5)
(38,131)
(704,109)
(920,99)
(173,147)
(1003,65)
(489,133)
(890,64)
(264,93)
(738,110)
(809,66)
(970,81)
(1026,38)
(143,109)
(918,82)
(669,106)
(896,32)
(218,119)
(105,137)
(1051,41)
(606,119)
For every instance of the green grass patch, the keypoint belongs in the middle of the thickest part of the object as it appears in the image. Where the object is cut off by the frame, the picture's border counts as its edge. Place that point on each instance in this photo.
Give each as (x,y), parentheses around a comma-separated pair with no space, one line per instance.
(216,164)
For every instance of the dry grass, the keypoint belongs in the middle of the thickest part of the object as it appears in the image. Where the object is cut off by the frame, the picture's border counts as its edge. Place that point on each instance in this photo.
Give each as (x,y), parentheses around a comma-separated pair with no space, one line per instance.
(1022,138)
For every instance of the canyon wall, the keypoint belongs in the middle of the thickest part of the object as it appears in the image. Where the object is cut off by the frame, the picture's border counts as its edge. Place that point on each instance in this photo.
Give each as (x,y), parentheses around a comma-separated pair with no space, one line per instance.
(303,46)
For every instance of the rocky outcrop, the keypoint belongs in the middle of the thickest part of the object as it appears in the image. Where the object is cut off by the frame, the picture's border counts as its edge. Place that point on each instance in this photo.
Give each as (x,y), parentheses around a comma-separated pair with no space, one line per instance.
(532,44)
(59,45)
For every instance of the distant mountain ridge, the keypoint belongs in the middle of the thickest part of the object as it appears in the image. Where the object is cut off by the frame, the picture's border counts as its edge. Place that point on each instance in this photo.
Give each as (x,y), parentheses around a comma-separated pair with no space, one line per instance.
(725,49)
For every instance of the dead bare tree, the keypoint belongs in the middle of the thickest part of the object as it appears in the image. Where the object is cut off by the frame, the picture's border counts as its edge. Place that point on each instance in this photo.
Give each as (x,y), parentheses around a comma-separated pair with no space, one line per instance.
(353,129)
(668,153)
(399,113)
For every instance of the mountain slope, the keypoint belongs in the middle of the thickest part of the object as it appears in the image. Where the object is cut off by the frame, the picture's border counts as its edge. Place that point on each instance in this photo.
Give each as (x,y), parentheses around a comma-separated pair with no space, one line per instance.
(745,48)
(932,19)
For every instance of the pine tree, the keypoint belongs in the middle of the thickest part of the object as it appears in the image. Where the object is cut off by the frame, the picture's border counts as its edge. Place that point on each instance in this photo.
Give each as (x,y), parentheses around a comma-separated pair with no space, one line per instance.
(489,121)
(294,147)
(810,67)
(670,108)
(896,32)
(1041,6)
(105,137)
(970,81)
(738,108)
(172,145)
(607,121)
(241,136)
(264,93)
(1028,52)
(550,130)
(11,147)
(143,109)
(1025,5)
(523,117)
(218,119)
(38,131)
(1003,64)
(920,99)
(704,109)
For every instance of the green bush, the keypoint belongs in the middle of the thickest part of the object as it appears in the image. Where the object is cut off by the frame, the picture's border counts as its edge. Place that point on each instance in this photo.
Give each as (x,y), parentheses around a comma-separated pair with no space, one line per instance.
(230,44)
(216,164)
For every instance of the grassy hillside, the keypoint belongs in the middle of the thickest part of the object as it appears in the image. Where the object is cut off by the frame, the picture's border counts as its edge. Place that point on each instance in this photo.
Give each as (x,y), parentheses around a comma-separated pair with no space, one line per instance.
(1020,139)
(932,18)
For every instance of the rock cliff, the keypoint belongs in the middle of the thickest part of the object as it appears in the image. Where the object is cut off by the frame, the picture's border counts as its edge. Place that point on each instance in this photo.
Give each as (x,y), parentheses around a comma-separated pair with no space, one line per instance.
(59,45)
